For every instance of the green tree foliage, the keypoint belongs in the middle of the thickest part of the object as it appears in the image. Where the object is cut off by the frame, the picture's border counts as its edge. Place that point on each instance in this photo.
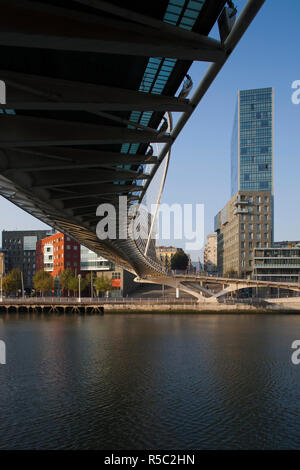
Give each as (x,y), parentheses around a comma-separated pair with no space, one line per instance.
(180,260)
(64,278)
(43,281)
(231,273)
(73,284)
(102,284)
(90,281)
(12,282)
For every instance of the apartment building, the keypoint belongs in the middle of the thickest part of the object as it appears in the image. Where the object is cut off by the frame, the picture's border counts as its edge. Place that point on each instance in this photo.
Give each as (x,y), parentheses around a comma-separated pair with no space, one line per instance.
(243,225)
(211,254)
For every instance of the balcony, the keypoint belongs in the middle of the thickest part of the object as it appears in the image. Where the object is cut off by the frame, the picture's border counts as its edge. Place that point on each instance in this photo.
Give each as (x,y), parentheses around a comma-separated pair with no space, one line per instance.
(48,267)
(240,210)
(240,201)
(277,266)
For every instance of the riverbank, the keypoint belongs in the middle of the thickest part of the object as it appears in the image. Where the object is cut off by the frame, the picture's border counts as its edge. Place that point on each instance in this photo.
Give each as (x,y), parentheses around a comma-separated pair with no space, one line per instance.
(201,308)
(146,307)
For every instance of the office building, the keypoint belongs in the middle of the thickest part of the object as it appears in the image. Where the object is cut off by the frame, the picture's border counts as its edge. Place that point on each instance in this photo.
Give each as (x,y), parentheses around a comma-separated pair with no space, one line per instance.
(210,254)
(247,220)
(252,142)
(278,264)
(20,249)
(286,244)
(90,261)
(2,262)
(122,281)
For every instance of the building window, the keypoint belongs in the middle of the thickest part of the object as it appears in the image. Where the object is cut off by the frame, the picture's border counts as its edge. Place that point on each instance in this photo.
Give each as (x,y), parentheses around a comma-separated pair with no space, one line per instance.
(116,276)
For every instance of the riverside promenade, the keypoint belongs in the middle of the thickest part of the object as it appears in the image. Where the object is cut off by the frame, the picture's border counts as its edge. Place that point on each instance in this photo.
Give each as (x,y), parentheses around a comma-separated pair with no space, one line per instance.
(98,306)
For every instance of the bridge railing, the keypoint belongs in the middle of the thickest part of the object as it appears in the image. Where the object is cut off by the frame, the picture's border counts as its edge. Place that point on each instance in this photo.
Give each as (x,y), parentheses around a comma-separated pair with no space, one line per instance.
(93,301)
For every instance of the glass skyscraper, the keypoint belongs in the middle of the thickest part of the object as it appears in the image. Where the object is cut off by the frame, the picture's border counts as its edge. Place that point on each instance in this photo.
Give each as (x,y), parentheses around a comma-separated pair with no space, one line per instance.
(246,223)
(252,142)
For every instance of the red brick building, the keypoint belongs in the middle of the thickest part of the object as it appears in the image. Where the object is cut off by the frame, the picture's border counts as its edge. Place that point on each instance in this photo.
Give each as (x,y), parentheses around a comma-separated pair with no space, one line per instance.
(56,253)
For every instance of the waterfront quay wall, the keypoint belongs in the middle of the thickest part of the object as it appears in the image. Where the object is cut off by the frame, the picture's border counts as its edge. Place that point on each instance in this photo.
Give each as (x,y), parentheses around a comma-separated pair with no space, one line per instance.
(204,307)
(142,306)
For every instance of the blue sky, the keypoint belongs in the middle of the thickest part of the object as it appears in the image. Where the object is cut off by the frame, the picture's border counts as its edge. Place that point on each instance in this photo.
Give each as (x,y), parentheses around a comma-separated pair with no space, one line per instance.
(199,172)
(268,55)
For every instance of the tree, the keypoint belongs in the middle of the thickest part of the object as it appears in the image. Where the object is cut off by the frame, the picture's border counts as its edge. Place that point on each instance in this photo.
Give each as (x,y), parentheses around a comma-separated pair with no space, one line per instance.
(12,282)
(73,284)
(43,281)
(180,260)
(102,284)
(64,278)
(90,282)
(231,273)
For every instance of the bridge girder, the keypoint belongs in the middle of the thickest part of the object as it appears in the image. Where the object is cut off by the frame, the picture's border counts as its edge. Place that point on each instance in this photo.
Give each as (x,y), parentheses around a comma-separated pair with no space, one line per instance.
(30,92)
(45,26)
(65,69)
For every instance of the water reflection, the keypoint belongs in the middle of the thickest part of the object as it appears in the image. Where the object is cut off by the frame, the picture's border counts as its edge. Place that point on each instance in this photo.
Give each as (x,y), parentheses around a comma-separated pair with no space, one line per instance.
(150,381)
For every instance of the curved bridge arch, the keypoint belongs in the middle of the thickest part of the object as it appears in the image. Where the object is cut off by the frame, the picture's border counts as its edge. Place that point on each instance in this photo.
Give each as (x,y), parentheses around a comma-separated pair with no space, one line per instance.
(87,87)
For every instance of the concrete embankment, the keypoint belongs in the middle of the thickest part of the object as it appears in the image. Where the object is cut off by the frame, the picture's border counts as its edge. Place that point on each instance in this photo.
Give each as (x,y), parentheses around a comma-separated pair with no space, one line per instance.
(278,306)
(200,308)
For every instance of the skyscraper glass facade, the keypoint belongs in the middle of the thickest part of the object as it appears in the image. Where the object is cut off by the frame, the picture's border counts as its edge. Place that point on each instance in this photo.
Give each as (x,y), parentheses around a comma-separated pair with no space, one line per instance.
(252,142)
(235,154)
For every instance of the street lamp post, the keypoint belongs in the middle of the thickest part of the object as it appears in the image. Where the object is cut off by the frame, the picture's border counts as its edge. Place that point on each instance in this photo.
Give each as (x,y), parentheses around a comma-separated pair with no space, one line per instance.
(1,294)
(22,284)
(79,292)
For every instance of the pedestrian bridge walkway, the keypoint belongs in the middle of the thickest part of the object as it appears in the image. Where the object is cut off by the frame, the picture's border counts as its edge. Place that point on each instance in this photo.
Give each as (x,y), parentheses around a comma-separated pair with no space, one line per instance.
(90,88)
(210,288)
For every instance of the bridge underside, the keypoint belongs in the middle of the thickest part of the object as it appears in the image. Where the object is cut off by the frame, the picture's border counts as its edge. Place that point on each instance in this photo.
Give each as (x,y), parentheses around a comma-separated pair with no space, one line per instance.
(87,85)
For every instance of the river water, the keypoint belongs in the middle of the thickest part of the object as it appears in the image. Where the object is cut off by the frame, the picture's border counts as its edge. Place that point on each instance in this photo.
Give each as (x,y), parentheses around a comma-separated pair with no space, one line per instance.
(142,381)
